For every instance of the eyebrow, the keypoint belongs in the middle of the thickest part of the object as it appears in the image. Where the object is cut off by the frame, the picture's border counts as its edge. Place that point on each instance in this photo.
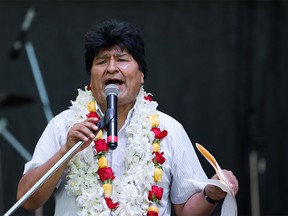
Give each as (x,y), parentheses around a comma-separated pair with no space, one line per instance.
(106,55)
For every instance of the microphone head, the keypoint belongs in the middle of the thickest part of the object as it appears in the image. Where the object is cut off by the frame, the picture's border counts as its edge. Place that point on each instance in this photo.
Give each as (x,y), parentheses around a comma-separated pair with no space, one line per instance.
(111,89)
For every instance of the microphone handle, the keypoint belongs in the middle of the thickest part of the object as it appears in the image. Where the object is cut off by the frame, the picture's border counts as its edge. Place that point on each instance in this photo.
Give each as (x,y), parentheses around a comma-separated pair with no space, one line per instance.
(112,138)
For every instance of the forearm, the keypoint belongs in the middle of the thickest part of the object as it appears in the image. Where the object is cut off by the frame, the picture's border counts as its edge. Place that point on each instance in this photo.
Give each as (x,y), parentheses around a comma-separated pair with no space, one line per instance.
(43,193)
(198,205)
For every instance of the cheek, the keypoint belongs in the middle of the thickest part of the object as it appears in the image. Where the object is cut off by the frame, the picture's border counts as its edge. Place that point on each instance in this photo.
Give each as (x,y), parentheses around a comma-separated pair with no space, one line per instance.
(97,70)
(140,78)
(93,82)
(95,76)
(123,66)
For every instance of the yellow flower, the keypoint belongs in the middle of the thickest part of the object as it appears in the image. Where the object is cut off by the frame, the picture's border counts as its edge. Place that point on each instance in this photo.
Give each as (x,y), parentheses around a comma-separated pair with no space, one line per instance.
(102,162)
(107,189)
(158,174)
(156,147)
(92,106)
(99,135)
(154,120)
(152,208)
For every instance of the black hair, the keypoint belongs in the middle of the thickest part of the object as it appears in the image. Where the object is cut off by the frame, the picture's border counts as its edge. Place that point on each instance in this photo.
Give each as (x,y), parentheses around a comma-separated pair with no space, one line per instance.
(114,33)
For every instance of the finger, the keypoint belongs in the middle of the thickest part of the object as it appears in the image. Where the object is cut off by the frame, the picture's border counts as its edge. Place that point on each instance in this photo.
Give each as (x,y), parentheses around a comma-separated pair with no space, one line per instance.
(87,131)
(82,131)
(91,125)
(233,182)
(93,120)
(82,136)
(234,185)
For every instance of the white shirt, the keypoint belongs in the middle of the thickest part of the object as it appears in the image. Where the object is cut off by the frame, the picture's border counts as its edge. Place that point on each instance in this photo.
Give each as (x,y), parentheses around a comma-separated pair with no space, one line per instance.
(181,162)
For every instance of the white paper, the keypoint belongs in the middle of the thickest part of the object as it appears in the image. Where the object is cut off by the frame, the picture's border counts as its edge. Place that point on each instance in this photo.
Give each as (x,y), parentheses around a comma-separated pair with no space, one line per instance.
(229,206)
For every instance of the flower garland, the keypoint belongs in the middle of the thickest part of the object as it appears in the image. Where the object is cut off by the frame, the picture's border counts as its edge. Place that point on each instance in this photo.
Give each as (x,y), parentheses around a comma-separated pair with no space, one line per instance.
(92,181)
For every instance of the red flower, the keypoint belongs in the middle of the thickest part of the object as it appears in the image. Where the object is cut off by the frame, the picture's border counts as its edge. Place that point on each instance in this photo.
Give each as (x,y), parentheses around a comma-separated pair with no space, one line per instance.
(101,145)
(155,193)
(158,133)
(148,97)
(106,173)
(152,213)
(110,203)
(92,115)
(88,87)
(159,157)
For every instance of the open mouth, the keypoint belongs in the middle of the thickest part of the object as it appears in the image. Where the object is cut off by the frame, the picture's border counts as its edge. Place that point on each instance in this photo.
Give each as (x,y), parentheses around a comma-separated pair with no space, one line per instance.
(114,81)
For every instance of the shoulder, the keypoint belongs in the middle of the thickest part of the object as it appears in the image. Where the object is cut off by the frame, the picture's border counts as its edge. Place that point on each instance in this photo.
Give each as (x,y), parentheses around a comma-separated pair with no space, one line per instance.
(66,114)
(168,121)
(63,119)
(177,134)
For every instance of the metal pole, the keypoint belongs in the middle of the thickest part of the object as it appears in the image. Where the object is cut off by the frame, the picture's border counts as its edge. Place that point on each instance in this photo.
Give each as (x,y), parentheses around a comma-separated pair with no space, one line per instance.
(254,185)
(39,80)
(13,141)
(43,179)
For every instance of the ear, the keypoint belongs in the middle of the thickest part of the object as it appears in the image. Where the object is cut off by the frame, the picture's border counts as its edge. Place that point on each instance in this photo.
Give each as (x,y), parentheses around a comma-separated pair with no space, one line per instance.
(142,78)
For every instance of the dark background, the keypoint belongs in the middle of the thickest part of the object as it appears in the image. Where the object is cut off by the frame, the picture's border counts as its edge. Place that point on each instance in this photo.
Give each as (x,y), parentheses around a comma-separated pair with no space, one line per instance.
(219,67)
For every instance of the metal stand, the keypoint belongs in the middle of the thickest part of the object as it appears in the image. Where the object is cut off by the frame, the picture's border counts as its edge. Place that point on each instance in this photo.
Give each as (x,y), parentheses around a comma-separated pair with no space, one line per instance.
(39,83)
(13,141)
(39,80)
(254,183)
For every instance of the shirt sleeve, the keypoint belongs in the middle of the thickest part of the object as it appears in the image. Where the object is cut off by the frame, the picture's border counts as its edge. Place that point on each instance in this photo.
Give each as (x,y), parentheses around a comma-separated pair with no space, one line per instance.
(51,140)
(184,165)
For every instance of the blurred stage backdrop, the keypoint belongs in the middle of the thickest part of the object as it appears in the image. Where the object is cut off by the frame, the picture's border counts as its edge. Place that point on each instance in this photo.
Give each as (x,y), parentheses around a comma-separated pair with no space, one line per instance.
(219,67)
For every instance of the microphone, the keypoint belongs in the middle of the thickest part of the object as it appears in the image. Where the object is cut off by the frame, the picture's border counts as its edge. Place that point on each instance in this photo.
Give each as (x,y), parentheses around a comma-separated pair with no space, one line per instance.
(111,92)
(17,45)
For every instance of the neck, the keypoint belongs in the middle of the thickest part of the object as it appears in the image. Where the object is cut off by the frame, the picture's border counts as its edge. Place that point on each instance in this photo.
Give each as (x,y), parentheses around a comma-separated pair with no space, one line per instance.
(122,112)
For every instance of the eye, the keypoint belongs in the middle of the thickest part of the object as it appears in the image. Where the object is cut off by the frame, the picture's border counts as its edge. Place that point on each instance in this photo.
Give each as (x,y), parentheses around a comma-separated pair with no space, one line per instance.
(100,61)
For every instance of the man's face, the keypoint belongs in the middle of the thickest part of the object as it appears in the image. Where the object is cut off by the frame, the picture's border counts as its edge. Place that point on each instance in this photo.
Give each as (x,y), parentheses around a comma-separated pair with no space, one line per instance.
(118,67)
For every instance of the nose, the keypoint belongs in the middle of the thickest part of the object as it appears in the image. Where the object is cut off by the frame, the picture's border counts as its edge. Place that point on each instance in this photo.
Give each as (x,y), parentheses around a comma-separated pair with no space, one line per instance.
(112,66)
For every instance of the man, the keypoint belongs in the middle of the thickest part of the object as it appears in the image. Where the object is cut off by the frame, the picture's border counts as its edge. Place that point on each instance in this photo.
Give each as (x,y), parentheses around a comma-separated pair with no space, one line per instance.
(147,172)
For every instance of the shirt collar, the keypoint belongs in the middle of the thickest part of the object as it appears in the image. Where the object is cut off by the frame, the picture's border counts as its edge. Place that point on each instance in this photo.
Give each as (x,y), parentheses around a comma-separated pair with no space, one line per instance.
(128,118)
